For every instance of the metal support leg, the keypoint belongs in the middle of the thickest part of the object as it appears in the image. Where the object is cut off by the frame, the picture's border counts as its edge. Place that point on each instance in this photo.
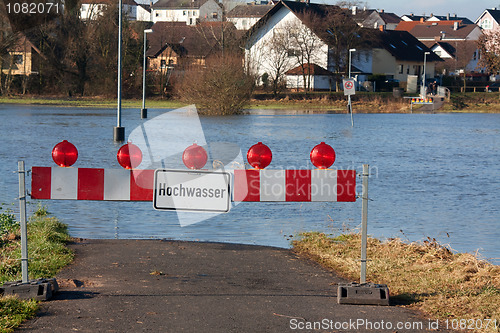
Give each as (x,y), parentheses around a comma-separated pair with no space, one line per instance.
(364,222)
(24,231)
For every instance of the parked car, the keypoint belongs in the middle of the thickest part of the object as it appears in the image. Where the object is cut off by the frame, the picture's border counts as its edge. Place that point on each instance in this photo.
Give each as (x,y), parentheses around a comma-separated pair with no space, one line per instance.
(494,87)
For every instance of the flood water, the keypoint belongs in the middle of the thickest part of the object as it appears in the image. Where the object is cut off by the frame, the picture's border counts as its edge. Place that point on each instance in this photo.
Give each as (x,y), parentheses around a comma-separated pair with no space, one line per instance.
(432,175)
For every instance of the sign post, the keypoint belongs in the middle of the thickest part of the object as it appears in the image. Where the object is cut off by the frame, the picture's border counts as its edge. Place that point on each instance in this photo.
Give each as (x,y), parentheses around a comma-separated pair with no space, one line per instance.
(349,89)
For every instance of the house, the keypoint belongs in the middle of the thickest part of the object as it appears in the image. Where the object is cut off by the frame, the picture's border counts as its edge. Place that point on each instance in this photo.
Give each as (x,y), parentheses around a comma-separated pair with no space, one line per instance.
(320,78)
(434,18)
(177,45)
(92,9)
(22,59)
(245,16)
(372,18)
(452,40)
(144,13)
(188,11)
(489,20)
(395,54)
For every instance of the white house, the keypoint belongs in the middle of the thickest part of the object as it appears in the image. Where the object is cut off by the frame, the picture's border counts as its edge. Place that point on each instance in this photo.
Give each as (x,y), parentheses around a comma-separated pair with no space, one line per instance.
(92,9)
(263,52)
(144,13)
(489,20)
(394,54)
(245,16)
(189,12)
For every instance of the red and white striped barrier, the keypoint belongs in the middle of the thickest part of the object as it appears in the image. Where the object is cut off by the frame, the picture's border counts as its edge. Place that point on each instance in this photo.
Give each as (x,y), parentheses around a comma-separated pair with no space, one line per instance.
(294,185)
(92,184)
(138,185)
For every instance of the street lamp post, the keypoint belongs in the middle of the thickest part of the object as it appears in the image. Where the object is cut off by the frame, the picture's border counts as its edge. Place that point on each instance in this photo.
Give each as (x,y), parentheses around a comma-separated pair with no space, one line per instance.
(349,105)
(144,111)
(118,130)
(423,92)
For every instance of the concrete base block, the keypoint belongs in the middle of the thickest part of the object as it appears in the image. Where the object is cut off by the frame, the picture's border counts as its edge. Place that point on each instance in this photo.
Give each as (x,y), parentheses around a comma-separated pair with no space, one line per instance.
(363,294)
(40,289)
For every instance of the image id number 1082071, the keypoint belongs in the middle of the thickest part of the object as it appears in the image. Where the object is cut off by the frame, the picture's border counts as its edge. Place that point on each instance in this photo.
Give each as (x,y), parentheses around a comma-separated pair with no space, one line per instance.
(32,7)
(471,324)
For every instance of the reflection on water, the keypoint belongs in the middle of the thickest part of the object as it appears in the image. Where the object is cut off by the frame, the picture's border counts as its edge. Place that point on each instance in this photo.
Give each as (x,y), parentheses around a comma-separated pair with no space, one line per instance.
(432,175)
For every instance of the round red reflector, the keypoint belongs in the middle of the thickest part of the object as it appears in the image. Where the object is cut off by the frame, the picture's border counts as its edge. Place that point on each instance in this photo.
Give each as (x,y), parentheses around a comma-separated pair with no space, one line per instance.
(129,156)
(259,156)
(322,156)
(64,154)
(194,157)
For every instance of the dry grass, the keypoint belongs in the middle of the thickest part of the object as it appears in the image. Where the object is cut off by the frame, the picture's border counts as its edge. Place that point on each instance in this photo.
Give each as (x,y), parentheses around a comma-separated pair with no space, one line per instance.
(425,276)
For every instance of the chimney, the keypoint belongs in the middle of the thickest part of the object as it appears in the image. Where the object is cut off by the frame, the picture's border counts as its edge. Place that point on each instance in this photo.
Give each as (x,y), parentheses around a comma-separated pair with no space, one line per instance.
(421,20)
(448,17)
(382,11)
(381,27)
(455,25)
(354,10)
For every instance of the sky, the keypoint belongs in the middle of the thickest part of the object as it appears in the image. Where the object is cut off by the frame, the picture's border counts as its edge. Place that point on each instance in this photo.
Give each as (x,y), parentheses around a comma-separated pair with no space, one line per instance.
(464,8)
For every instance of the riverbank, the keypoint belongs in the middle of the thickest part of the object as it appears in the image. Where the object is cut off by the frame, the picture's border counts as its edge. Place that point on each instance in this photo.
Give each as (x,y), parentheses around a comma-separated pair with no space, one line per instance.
(224,287)
(457,288)
(47,239)
(316,102)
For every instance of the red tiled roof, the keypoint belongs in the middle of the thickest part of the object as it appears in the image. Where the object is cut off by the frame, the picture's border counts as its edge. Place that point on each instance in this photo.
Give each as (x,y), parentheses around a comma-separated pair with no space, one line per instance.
(308,69)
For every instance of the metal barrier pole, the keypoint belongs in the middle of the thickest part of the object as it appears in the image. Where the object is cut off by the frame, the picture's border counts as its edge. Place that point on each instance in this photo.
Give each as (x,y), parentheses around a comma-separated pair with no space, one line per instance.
(364,222)
(24,231)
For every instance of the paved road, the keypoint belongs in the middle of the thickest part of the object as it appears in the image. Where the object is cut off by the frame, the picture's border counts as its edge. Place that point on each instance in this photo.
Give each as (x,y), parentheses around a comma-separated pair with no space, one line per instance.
(168,286)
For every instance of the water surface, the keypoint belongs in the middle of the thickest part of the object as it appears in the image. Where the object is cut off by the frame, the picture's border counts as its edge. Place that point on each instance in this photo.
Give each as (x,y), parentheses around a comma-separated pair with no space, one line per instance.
(432,175)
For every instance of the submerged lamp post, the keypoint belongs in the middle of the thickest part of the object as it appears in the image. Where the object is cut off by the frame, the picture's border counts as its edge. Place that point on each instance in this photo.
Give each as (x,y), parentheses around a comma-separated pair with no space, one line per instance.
(119,131)
(424,93)
(144,111)
(349,96)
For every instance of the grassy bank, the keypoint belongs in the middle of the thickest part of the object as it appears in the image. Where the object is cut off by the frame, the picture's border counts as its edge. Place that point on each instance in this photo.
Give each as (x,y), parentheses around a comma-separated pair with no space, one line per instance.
(316,102)
(89,102)
(424,276)
(47,252)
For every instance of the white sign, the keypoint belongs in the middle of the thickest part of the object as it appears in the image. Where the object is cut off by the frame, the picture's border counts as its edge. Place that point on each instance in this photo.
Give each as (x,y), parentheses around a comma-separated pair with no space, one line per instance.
(349,88)
(192,190)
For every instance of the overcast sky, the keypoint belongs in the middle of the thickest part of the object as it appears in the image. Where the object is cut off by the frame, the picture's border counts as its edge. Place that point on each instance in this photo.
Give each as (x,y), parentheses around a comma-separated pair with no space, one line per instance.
(465,8)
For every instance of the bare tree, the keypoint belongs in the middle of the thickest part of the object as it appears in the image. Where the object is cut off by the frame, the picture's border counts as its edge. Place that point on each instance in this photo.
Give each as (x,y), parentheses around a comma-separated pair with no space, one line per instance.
(220,88)
(277,58)
(305,45)
(350,3)
(341,33)
(489,48)
(8,41)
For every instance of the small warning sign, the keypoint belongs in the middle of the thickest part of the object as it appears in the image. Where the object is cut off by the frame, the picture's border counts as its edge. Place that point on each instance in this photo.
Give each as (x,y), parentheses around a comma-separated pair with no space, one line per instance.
(349,87)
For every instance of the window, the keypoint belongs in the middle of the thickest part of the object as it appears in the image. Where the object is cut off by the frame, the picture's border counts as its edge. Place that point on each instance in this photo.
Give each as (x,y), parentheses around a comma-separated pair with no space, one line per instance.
(163,63)
(293,52)
(215,15)
(486,24)
(400,69)
(408,69)
(184,13)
